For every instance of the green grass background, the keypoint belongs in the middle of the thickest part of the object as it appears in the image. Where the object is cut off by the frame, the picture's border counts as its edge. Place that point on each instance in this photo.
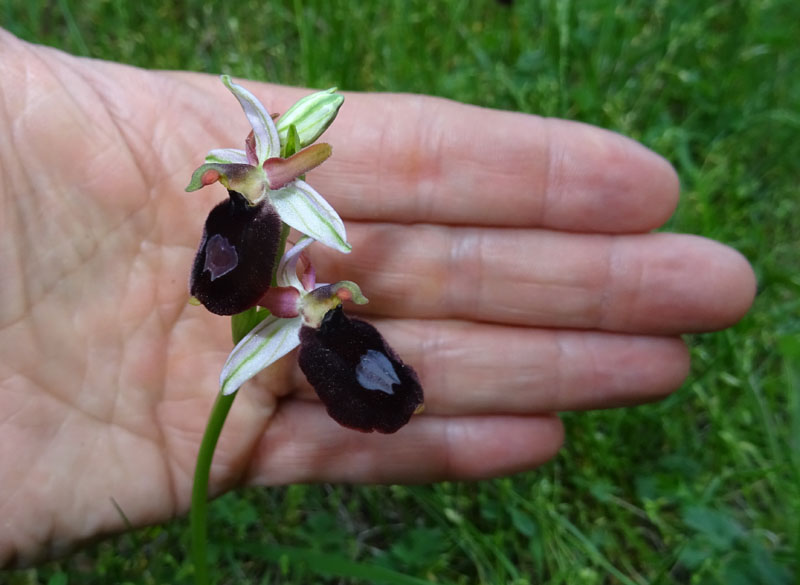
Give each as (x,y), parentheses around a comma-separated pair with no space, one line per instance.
(703,487)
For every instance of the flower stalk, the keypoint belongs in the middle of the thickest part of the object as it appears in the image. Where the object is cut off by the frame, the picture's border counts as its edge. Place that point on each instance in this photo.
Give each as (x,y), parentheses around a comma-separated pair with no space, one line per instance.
(198,515)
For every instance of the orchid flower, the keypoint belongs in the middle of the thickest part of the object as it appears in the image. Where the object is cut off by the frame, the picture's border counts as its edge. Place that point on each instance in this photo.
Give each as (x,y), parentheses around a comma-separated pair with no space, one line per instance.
(358,377)
(234,262)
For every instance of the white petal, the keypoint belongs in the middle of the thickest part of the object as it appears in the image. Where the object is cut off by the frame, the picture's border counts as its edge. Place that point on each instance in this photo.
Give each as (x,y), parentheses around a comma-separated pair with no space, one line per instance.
(269,341)
(300,206)
(227,156)
(287,267)
(266,135)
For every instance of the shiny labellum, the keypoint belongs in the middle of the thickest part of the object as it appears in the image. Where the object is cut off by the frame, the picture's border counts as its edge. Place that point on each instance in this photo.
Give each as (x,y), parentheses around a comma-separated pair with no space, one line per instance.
(233,266)
(359,378)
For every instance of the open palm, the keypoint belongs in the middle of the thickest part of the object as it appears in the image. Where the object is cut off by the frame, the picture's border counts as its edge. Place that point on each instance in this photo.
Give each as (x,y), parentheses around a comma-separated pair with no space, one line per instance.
(505,256)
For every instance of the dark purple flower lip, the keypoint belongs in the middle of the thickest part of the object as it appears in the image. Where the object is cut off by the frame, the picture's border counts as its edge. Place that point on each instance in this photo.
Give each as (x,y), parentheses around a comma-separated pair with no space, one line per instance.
(233,266)
(361,381)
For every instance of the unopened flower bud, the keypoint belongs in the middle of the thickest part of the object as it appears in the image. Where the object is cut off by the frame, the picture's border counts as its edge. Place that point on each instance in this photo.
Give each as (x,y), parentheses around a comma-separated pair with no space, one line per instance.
(311,116)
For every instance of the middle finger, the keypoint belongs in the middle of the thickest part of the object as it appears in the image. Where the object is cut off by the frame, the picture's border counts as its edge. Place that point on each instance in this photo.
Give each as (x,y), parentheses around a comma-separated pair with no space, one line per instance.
(660,284)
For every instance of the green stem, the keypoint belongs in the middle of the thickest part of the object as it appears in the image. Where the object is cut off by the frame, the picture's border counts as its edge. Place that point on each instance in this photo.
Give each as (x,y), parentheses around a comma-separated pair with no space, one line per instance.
(199,512)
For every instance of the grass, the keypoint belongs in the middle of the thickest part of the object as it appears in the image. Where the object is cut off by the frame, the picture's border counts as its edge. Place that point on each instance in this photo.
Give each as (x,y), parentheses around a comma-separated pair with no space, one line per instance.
(703,487)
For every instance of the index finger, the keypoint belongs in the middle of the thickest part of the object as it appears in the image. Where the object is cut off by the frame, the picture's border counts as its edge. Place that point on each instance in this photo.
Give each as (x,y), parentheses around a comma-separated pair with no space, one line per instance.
(420,159)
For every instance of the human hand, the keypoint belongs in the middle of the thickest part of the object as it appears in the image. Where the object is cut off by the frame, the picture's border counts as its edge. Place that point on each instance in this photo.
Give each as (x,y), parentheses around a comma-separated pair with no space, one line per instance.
(506,257)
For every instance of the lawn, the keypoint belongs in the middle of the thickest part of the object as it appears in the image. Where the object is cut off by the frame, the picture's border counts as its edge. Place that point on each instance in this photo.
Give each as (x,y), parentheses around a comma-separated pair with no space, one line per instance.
(703,487)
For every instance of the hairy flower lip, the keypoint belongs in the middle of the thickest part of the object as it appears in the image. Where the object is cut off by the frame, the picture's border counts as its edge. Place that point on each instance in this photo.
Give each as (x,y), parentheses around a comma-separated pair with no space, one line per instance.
(361,381)
(233,264)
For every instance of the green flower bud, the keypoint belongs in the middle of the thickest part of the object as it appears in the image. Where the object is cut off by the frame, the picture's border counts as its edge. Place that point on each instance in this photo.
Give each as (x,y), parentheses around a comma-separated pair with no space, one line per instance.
(311,116)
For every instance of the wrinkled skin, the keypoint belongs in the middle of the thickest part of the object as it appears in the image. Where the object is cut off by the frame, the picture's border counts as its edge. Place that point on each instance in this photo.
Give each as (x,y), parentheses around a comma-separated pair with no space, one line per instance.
(506,258)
